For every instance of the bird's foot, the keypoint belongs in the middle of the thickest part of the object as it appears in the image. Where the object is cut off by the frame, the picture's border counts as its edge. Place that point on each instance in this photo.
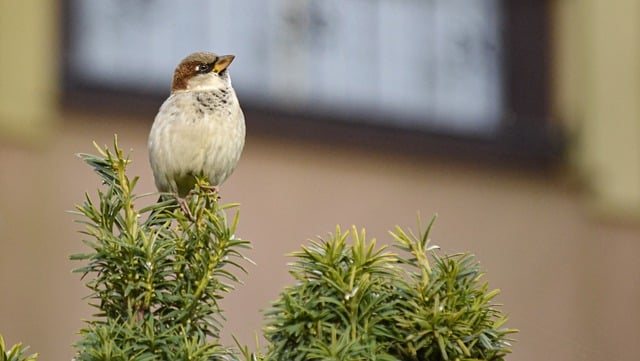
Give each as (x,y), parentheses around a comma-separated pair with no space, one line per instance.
(185,208)
(211,189)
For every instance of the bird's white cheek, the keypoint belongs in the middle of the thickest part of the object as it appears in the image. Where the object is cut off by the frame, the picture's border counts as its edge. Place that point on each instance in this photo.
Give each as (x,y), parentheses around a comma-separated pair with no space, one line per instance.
(208,82)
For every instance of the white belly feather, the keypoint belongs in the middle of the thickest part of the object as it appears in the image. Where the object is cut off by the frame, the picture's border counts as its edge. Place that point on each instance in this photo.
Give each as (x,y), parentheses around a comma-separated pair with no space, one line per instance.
(189,140)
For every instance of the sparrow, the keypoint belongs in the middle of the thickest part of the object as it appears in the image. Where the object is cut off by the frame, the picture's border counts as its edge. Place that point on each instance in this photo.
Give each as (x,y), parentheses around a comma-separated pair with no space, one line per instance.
(199,129)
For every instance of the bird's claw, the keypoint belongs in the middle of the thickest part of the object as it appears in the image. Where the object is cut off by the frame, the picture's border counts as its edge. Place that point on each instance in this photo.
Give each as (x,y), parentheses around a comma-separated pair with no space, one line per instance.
(185,209)
(211,189)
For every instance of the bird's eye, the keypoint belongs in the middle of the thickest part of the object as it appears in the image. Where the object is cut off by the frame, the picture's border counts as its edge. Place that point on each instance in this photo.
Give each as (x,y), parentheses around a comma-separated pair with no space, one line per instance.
(203,68)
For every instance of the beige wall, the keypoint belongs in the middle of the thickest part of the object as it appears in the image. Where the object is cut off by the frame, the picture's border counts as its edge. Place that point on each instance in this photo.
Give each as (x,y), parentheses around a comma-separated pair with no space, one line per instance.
(569,279)
(28,68)
(597,93)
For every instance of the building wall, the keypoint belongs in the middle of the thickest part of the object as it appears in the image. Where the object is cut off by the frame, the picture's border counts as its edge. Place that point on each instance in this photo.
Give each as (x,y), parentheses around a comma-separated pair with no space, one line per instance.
(569,276)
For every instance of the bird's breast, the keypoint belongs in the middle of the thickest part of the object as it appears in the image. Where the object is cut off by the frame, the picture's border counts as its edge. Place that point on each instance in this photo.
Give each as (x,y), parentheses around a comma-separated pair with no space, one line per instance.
(198,134)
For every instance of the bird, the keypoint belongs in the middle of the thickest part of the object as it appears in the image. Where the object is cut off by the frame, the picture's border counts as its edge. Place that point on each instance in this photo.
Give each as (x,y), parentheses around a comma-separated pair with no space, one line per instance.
(199,130)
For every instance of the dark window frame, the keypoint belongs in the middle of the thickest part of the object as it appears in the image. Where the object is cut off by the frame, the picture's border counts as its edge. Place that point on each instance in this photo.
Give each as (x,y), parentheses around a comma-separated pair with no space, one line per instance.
(528,136)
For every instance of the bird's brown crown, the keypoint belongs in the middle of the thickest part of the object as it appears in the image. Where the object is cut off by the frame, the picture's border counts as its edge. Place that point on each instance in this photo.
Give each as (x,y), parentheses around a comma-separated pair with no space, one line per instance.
(197,64)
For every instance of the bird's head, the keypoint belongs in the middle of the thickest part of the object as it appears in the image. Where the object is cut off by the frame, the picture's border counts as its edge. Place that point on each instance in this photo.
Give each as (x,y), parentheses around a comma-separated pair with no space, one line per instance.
(202,71)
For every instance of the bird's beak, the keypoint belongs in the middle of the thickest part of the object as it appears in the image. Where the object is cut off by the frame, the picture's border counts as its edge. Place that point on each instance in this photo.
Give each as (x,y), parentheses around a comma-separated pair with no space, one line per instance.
(222,62)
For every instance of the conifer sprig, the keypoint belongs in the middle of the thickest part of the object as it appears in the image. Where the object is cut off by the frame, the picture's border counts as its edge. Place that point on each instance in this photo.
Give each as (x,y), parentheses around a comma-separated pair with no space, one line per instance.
(353,301)
(155,275)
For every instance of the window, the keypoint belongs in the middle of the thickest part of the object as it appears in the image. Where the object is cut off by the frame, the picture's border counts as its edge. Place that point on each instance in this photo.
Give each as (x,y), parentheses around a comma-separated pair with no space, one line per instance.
(462,69)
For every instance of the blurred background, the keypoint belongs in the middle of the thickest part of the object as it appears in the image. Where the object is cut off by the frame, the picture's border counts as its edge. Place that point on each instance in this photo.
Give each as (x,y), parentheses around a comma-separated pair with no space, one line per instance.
(517,122)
